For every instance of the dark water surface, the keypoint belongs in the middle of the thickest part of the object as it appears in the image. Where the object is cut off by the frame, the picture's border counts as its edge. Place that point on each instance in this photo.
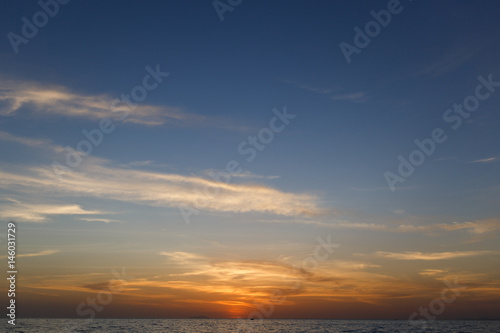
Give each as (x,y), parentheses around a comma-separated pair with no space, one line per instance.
(236,325)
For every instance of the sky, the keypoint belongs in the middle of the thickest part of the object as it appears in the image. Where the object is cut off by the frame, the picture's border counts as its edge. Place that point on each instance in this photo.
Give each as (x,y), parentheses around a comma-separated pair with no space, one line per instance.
(228,159)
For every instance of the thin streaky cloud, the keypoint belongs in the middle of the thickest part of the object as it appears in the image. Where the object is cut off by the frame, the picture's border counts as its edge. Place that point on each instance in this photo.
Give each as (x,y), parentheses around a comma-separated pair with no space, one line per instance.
(39,212)
(97,180)
(147,163)
(486,160)
(243,175)
(87,219)
(358,96)
(334,225)
(59,101)
(433,272)
(362,189)
(431,256)
(355,97)
(38,254)
(22,140)
(446,158)
(475,227)
(140,163)
(323,91)
(31,142)
(450,61)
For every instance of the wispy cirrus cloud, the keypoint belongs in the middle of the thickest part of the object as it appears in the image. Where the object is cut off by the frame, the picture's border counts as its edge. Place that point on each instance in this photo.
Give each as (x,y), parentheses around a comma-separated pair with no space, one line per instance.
(242,175)
(334,224)
(39,212)
(147,163)
(431,255)
(99,178)
(450,60)
(140,163)
(45,100)
(433,272)
(88,219)
(37,254)
(323,91)
(355,97)
(6,136)
(485,160)
(474,227)
(148,188)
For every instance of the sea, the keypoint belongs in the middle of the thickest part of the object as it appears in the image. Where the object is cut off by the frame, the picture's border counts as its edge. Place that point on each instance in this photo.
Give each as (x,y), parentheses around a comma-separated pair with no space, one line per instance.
(240,325)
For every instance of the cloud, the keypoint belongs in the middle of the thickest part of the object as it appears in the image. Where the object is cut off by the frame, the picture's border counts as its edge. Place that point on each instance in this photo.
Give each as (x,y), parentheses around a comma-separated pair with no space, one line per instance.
(56,100)
(486,160)
(433,272)
(24,141)
(353,97)
(241,277)
(39,212)
(147,163)
(244,174)
(430,256)
(335,225)
(140,163)
(97,220)
(450,61)
(352,265)
(182,256)
(474,227)
(193,278)
(256,280)
(244,277)
(323,91)
(96,179)
(42,144)
(38,254)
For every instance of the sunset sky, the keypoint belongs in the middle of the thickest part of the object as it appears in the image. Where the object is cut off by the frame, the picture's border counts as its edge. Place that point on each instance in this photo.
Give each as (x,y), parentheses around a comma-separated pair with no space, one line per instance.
(190,160)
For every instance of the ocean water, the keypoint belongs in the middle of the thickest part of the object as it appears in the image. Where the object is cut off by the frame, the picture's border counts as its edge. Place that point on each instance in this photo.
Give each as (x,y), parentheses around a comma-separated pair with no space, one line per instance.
(237,325)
